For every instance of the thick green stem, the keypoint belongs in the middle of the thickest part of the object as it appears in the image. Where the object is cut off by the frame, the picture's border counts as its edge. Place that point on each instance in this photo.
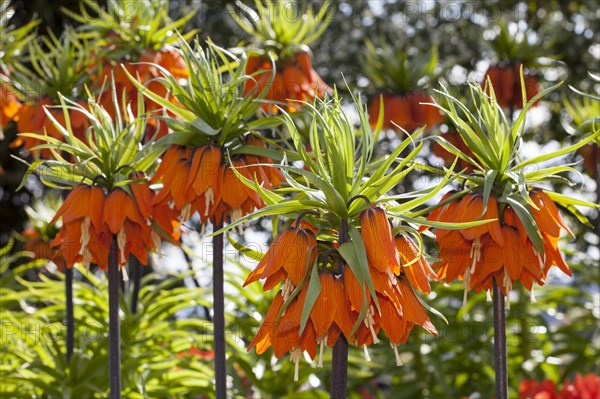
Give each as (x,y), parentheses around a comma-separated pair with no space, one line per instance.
(135,268)
(500,343)
(219,316)
(339,362)
(114,323)
(70,318)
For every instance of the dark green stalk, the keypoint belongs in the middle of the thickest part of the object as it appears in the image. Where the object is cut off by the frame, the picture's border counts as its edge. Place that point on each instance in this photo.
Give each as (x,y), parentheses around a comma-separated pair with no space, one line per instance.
(114,327)
(500,343)
(70,318)
(219,316)
(339,362)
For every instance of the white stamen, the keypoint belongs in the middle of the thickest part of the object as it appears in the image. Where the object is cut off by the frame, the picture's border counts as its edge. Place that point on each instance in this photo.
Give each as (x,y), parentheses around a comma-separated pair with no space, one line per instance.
(398,360)
(475,254)
(186,212)
(287,289)
(370,322)
(121,241)
(202,229)
(125,275)
(155,241)
(367,357)
(87,259)
(295,355)
(532,295)
(391,276)
(85,235)
(507,287)
(488,296)
(209,198)
(322,345)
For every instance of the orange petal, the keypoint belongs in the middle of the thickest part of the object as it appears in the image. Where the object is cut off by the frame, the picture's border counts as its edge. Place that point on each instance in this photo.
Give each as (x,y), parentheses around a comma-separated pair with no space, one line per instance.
(115,208)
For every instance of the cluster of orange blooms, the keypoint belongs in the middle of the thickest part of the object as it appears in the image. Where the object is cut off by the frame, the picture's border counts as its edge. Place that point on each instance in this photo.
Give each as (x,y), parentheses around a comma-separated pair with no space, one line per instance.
(501,249)
(91,218)
(200,180)
(453,137)
(31,117)
(295,81)
(506,82)
(10,105)
(167,58)
(394,267)
(410,111)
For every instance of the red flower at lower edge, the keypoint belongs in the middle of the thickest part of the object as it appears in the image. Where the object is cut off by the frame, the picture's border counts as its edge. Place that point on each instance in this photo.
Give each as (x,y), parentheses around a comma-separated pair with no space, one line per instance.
(582,387)
(587,387)
(529,389)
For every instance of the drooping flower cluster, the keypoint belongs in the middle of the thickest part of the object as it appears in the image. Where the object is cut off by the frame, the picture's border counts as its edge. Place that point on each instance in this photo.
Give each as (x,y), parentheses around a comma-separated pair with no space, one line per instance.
(61,67)
(200,180)
(279,68)
(294,80)
(342,307)
(91,218)
(500,249)
(146,70)
(507,85)
(410,111)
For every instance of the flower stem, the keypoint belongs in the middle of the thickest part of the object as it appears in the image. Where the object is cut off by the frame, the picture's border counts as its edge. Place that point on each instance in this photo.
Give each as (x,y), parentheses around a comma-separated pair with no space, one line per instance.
(500,343)
(70,318)
(597,178)
(114,327)
(136,278)
(219,315)
(339,361)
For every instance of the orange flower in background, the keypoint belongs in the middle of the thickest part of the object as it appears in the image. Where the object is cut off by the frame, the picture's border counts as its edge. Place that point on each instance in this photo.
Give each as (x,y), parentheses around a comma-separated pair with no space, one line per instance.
(167,58)
(453,137)
(9,106)
(507,85)
(405,111)
(500,249)
(32,118)
(91,218)
(41,248)
(294,79)
(587,153)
